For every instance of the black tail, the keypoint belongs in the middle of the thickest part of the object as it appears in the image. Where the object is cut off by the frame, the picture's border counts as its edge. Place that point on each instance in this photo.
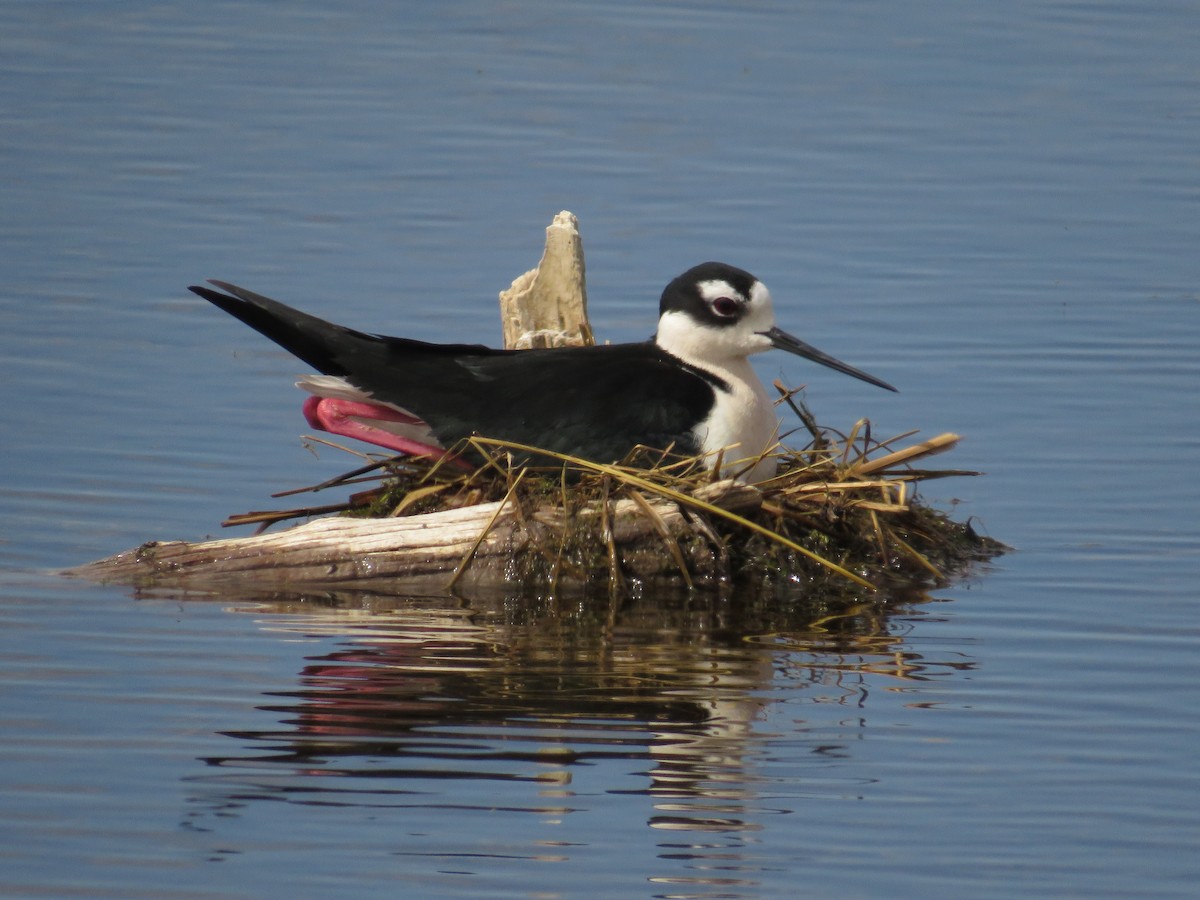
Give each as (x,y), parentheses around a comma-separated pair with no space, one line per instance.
(321,344)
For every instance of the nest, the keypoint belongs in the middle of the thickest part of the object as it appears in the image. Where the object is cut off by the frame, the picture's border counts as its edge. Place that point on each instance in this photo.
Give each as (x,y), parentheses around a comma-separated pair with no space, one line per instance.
(842,514)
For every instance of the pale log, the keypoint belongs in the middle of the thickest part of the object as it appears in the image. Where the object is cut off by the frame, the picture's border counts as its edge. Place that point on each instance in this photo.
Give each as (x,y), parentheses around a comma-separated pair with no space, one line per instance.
(351,552)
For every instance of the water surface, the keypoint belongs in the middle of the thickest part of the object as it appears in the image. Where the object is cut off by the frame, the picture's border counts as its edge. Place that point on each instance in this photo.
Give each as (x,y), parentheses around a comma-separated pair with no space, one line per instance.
(993,207)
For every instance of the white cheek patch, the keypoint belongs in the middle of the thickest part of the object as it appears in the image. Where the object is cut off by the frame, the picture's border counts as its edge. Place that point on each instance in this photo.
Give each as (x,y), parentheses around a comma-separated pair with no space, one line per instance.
(759,311)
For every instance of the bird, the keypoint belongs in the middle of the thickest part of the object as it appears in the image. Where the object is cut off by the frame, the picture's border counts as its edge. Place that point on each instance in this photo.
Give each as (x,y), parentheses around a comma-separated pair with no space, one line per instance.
(689,389)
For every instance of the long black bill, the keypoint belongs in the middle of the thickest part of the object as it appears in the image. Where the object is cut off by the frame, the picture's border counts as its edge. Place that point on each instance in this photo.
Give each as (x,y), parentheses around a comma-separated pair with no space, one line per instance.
(785,341)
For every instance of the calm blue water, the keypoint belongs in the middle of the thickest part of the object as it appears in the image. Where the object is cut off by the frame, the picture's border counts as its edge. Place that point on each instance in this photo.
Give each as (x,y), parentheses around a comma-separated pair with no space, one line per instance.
(994,206)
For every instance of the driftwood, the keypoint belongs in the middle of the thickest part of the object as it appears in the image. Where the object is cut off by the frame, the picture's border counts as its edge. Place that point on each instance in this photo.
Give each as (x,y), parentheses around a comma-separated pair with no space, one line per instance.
(483,543)
(547,306)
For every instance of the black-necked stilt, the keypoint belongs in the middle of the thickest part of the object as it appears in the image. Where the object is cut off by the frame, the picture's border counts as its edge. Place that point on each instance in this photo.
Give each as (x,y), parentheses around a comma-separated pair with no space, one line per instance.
(691,387)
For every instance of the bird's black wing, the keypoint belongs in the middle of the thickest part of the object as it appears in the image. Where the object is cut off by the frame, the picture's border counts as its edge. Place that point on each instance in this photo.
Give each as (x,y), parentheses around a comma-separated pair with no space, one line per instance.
(594,402)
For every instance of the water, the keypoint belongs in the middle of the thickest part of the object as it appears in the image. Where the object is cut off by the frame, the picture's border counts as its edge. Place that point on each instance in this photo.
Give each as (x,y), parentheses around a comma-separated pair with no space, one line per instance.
(994,207)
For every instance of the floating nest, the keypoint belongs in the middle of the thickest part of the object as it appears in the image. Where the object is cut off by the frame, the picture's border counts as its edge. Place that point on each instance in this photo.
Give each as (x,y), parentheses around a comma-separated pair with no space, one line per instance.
(841,519)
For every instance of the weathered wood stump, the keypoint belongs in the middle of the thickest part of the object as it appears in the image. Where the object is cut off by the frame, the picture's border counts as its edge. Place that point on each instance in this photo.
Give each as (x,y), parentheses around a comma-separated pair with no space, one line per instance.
(547,306)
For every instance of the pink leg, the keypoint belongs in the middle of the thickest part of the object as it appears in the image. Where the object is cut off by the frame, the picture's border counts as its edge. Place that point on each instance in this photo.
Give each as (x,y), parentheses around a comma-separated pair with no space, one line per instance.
(337,417)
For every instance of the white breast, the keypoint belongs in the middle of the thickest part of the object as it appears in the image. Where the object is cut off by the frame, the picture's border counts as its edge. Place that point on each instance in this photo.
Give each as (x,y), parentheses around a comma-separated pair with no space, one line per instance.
(742,423)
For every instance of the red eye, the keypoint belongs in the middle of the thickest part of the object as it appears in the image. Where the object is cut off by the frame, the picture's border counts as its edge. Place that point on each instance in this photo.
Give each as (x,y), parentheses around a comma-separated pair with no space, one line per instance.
(725,306)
